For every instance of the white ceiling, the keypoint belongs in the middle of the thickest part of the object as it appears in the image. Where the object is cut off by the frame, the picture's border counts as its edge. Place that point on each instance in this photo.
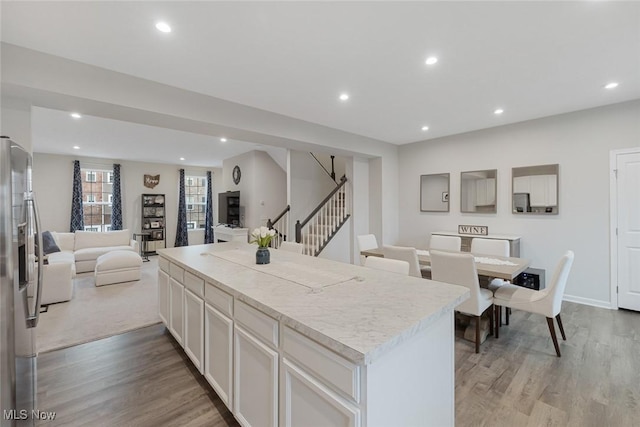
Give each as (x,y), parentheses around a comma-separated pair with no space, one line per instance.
(56,132)
(533,59)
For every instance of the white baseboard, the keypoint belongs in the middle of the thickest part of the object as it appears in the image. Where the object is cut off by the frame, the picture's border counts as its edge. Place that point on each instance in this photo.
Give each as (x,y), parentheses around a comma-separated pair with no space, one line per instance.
(589,301)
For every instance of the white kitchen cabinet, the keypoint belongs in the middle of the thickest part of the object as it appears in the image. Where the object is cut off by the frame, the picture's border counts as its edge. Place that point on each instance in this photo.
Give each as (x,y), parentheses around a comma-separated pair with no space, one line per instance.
(485,192)
(218,351)
(163,297)
(176,308)
(194,328)
(542,189)
(307,402)
(255,397)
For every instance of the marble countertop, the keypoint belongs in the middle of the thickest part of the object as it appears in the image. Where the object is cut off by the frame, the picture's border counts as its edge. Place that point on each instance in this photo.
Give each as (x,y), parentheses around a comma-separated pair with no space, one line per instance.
(359,313)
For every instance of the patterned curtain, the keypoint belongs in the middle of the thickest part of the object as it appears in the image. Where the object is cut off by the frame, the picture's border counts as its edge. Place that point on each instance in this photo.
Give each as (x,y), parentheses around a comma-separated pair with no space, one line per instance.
(208,214)
(77,217)
(116,206)
(182,236)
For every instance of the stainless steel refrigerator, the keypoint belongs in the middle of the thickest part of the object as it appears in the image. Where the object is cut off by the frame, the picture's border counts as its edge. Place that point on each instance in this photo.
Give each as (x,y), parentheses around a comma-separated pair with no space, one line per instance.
(20,286)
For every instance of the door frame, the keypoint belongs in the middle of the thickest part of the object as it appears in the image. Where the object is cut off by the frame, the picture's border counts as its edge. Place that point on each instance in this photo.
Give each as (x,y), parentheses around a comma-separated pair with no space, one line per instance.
(613,220)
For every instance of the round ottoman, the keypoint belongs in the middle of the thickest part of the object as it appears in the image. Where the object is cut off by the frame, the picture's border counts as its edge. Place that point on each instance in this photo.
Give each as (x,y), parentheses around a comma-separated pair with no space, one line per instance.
(117,267)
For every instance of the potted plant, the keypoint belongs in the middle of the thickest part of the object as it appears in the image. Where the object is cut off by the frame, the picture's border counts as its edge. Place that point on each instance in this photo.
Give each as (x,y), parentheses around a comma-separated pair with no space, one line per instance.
(262,236)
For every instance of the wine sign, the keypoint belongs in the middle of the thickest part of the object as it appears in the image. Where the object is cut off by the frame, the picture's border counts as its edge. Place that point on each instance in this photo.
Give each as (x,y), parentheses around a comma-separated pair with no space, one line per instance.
(151,181)
(478,230)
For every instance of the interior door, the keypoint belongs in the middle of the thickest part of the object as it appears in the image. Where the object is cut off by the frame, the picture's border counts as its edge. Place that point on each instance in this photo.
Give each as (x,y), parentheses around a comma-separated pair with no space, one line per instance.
(628,224)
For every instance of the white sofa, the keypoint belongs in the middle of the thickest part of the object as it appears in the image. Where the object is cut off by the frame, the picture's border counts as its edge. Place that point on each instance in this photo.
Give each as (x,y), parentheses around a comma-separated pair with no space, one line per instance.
(86,246)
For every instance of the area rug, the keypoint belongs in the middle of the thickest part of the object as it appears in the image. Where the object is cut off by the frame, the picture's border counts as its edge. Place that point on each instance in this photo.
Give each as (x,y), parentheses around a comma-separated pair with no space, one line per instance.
(99,312)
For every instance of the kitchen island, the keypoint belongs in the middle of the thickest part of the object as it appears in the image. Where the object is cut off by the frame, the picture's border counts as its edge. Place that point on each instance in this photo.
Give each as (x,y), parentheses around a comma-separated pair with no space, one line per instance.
(305,341)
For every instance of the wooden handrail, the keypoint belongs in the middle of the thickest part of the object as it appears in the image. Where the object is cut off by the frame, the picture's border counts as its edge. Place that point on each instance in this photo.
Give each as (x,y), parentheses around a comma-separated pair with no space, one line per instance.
(299,224)
(270,223)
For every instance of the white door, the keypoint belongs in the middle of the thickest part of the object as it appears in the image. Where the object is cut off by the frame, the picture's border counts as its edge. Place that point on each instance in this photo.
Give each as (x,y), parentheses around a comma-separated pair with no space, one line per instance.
(163,297)
(218,350)
(176,308)
(628,224)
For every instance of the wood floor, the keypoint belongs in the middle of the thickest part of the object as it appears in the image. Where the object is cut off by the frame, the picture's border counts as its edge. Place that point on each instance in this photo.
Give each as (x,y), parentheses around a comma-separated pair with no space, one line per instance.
(143,378)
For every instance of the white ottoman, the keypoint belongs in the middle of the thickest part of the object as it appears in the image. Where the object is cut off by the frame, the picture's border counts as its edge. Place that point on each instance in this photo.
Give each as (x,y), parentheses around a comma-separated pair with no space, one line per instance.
(117,266)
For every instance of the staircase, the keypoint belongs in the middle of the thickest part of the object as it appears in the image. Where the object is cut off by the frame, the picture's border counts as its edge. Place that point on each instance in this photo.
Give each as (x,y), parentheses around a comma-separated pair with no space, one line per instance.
(317,230)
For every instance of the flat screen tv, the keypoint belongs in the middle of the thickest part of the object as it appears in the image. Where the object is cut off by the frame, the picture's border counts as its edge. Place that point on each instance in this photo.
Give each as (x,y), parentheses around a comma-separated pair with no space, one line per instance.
(229,208)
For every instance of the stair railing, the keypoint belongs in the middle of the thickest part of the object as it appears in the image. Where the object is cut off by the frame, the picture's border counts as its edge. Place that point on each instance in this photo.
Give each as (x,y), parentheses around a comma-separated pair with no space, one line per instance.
(324,221)
(280,224)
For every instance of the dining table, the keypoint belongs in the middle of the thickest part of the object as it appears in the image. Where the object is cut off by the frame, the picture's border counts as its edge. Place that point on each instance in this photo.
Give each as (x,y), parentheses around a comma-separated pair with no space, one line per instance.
(507,268)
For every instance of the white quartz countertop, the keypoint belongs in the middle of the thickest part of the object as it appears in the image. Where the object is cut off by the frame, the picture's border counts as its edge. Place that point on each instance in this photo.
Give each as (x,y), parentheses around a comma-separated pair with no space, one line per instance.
(359,313)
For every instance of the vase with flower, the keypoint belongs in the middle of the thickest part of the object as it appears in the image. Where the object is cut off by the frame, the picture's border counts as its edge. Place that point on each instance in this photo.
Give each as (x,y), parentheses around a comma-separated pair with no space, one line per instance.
(262,236)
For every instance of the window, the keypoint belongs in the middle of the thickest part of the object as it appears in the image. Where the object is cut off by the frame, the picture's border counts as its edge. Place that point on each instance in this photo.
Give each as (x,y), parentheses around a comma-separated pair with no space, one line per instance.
(195,189)
(97,189)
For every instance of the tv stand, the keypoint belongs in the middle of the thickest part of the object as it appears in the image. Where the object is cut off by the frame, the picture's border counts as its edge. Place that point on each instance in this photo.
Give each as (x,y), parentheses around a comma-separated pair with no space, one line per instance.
(224,233)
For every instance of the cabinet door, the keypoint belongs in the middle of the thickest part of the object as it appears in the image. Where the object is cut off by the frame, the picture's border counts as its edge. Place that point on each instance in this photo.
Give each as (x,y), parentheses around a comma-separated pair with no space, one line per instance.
(538,190)
(521,184)
(218,350)
(491,191)
(255,394)
(481,192)
(552,190)
(306,402)
(176,304)
(163,296)
(193,328)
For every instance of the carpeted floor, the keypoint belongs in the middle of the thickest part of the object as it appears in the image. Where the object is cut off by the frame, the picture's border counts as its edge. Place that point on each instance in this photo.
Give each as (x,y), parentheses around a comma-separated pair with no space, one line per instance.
(99,312)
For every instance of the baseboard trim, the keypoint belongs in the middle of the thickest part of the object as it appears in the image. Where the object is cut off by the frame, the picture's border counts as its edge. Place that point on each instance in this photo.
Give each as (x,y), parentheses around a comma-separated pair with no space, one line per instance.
(589,301)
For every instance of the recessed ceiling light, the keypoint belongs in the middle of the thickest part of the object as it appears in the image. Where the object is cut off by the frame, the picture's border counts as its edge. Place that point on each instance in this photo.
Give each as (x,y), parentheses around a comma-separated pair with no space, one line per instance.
(498,111)
(611,85)
(431,60)
(344,96)
(164,27)
(76,115)
(75,147)
(425,128)
(223,139)
(181,158)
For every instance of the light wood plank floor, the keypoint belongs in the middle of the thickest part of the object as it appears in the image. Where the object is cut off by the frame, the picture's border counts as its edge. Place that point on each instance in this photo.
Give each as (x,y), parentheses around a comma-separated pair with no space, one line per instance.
(143,378)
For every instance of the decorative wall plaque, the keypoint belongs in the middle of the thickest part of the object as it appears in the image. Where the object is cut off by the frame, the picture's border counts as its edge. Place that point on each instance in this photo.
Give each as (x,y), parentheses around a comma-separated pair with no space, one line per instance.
(151,181)
(478,230)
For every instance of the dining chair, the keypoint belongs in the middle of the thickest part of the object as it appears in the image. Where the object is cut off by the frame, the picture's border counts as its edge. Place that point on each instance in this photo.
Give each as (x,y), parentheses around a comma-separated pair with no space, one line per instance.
(366,242)
(546,302)
(387,264)
(445,243)
(291,247)
(460,269)
(404,254)
(495,247)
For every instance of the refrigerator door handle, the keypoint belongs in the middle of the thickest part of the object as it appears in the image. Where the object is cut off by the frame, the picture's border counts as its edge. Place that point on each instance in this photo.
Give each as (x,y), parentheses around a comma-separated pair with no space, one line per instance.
(32,320)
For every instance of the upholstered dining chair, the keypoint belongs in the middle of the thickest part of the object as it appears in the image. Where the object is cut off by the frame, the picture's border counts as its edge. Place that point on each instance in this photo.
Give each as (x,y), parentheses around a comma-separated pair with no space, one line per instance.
(480,247)
(547,302)
(387,264)
(445,243)
(291,247)
(404,254)
(366,242)
(460,269)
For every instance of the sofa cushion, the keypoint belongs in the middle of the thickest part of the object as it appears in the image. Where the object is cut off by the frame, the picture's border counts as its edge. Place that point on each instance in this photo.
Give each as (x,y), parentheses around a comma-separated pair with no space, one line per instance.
(63,257)
(65,241)
(92,239)
(91,254)
(49,245)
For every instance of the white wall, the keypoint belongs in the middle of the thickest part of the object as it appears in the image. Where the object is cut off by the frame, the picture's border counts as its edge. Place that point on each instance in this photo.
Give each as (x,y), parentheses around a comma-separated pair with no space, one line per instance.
(16,123)
(52,180)
(579,142)
(262,186)
(309,185)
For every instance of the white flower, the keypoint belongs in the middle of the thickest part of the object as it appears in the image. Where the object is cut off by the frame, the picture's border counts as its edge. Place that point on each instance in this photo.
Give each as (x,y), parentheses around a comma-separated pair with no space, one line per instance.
(256,232)
(263,231)
(272,232)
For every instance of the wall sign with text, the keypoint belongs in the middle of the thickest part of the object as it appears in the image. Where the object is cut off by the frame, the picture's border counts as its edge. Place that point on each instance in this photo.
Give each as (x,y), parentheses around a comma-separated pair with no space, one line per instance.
(151,181)
(479,230)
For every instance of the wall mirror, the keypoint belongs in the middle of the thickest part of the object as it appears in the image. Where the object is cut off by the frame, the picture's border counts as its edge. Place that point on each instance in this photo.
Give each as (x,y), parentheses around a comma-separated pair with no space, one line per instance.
(478,191)
(434,192)
(535,190)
